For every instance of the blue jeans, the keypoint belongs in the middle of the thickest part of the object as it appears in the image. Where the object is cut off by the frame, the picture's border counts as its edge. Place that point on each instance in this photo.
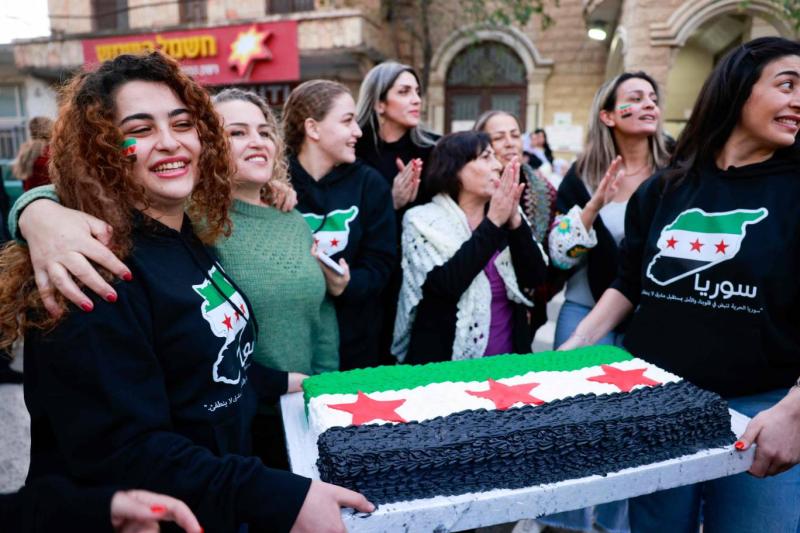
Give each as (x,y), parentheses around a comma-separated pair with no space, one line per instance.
(612,516)
(734,504)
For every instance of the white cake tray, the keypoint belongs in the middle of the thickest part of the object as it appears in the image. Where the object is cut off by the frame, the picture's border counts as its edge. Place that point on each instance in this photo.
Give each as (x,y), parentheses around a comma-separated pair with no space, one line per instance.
(466,511)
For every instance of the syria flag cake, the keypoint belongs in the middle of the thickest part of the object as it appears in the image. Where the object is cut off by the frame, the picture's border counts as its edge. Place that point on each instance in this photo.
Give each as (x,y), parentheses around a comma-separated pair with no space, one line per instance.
(406,432)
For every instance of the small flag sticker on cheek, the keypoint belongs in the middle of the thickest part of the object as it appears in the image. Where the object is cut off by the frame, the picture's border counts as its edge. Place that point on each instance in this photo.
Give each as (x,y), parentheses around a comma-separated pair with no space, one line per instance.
(625,110)
(128,147)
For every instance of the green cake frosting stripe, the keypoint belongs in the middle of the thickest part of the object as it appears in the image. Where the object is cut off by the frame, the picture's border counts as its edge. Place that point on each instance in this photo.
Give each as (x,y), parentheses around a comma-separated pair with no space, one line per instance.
(400,377)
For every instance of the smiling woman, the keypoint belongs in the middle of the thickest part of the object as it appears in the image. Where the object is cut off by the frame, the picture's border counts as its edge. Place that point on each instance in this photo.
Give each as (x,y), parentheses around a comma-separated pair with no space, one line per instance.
(731,189)
(470,263)
(348,208)
(171,356)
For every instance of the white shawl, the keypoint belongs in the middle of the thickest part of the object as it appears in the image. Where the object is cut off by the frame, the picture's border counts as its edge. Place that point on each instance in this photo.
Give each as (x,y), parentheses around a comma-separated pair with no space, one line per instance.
(432,234)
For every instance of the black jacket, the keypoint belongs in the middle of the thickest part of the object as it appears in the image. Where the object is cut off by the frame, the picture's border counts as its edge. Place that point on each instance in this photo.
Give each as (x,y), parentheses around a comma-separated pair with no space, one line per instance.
(156,391)
(382,157)
(434,328)
(602,261)
(56,504)
(717,303)
(370,248)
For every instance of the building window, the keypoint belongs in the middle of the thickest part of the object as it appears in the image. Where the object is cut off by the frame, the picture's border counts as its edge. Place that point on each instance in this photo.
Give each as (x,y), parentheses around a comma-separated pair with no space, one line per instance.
(486,76)
(12,120)
(193,11)
(289,6)
(110,14)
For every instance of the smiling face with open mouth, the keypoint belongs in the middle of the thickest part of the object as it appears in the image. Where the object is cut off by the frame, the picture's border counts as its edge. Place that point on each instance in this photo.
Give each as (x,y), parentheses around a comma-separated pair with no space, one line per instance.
(167,144)
(251,140)
(771,115)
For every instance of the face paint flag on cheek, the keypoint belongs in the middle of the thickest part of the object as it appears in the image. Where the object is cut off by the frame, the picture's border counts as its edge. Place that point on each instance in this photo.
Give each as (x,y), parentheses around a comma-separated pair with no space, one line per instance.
(625,110)
(128,148)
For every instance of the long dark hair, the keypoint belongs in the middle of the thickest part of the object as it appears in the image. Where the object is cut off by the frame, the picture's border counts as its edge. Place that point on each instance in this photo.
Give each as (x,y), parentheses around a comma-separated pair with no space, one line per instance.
(719,105)
(548,152)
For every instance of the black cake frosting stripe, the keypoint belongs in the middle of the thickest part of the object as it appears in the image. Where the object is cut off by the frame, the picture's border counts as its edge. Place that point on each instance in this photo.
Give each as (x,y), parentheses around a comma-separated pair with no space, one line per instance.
(472,451)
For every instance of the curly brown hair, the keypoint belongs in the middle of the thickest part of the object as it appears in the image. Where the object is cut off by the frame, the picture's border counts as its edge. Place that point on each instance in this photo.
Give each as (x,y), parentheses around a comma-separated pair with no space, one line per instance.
(312,99)
(91,174)
(280,172)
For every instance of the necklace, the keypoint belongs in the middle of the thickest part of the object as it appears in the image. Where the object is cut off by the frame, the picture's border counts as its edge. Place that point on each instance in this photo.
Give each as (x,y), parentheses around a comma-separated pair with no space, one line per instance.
(639,170)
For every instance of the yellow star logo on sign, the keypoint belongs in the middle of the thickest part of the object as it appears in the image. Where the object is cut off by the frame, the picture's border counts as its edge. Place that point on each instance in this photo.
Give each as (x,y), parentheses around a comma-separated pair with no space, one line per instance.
(248,47)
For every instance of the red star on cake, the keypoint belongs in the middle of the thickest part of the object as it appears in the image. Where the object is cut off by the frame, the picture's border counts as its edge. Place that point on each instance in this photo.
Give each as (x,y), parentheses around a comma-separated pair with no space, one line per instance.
(696,245)
(625,380)
(227,322)
(248,47)
(721,246)
(504,396)
(366,409)
(671,243)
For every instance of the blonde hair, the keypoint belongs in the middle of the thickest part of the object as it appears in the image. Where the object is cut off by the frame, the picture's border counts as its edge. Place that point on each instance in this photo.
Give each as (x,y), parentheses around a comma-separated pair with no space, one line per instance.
(601,149)
(280,170)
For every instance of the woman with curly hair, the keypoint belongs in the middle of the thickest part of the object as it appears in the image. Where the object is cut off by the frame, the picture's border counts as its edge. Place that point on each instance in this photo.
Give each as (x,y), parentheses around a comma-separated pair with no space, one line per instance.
(163,378)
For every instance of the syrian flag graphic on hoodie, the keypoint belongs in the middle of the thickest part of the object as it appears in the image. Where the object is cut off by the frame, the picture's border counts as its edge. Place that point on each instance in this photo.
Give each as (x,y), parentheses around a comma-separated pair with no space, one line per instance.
(697,240)
(227,323)
(331,232)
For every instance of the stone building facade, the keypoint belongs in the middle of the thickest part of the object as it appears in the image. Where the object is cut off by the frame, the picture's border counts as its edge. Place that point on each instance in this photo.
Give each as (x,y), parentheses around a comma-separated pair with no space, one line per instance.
(546,76)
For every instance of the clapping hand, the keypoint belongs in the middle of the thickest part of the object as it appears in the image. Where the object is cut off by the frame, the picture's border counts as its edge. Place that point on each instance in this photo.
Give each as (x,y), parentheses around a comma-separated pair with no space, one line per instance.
(406,183)
(504,205)
(605,192)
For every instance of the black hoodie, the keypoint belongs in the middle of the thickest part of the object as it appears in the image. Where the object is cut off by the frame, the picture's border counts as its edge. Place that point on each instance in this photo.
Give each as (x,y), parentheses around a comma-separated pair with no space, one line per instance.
(350,213)
(713,265)
(157,391)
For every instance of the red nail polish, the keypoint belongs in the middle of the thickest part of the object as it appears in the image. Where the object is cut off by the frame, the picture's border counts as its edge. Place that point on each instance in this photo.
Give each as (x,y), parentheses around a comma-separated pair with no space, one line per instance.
(739,445)
(158,509)
(87,306)
(127,276)
(111,297)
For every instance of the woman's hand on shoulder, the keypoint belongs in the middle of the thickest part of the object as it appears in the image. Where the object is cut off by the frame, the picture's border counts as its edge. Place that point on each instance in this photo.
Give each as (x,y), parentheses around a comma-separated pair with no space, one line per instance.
(504,204)
(62,242)
(776,434)
(284,197)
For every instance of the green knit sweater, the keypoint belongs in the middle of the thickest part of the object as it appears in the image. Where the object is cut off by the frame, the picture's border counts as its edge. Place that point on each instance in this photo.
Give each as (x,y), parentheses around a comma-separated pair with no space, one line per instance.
(269,256)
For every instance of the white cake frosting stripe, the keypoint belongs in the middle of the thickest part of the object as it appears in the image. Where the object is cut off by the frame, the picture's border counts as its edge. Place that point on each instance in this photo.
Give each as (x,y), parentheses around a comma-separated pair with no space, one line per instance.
(444,398)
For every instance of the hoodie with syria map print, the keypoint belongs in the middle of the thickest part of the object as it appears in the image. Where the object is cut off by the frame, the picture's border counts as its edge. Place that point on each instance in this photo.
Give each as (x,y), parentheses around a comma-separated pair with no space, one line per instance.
(350,213)
(713,265)
(157,391)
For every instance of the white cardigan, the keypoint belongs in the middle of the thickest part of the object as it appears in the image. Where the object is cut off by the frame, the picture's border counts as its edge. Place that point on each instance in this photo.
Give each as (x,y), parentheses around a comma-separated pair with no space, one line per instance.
(432,234)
